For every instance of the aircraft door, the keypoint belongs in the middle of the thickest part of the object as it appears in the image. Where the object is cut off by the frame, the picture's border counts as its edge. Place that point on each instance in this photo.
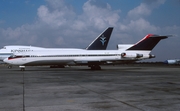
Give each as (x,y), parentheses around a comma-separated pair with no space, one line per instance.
(23,56)
(118,56)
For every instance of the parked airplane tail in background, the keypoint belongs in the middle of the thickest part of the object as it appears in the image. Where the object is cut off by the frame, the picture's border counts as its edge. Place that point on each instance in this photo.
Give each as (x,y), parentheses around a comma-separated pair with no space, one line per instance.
(147,43)
(172,61)
(101,42)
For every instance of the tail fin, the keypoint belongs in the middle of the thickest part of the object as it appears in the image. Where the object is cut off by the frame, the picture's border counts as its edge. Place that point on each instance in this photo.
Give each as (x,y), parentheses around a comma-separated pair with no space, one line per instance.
(148,42)
(101,42)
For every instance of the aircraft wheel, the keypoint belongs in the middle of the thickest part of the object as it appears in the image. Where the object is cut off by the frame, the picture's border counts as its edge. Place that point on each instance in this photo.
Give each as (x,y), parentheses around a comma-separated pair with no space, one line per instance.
(95,67)
(98,68)
(57,66)
(9,67)
(92,68)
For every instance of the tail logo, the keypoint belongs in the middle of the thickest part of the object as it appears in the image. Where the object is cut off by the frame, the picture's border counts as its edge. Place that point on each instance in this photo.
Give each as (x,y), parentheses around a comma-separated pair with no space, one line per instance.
(103,39)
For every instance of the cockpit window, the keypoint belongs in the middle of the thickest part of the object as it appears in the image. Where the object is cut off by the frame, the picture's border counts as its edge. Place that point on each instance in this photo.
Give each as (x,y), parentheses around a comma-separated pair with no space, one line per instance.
(12,56)
(17,56)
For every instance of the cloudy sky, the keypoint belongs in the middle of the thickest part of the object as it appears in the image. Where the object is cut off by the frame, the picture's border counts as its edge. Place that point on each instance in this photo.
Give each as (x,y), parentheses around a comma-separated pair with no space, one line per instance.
(75,23)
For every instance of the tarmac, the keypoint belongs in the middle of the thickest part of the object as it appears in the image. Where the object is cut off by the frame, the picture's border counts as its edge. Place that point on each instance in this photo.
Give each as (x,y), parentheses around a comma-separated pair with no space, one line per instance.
(77,88)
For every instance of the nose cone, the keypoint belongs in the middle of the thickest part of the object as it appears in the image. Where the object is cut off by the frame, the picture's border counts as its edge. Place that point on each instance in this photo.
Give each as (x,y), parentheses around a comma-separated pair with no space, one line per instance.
(6,60)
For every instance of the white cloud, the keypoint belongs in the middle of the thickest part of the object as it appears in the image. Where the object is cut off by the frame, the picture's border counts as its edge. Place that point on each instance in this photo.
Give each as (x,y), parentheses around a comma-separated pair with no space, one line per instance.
(57,4)
(59,40)
(141,10)
(144,9)
(141,26)
(57,17)
(11,34)
(100,17)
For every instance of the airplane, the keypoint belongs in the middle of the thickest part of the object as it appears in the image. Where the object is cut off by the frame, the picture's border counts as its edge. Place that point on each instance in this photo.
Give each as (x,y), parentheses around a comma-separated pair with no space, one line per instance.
(92,58)
(99,43)
(172,61)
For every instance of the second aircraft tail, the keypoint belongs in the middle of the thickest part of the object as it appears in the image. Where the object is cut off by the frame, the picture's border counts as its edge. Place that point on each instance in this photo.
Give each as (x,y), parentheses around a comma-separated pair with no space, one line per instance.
(148,42)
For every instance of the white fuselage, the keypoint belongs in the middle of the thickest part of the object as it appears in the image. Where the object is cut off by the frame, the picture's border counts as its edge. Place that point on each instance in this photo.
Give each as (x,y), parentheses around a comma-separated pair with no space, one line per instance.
(53,57)
(7,51)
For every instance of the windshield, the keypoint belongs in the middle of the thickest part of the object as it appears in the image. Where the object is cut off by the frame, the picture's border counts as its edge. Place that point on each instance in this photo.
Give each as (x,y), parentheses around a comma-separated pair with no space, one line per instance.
(12,56)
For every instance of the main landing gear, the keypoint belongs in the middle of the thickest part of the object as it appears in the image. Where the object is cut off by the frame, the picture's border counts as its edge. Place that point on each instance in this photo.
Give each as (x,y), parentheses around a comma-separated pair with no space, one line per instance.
(57,66)
(95,67)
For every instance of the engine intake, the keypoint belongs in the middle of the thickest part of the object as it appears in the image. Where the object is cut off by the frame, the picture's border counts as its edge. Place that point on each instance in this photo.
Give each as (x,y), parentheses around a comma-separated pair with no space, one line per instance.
(151,56)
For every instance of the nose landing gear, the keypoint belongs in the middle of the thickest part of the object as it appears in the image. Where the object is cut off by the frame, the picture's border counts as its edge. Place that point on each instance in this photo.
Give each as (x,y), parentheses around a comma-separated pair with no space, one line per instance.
(9,66)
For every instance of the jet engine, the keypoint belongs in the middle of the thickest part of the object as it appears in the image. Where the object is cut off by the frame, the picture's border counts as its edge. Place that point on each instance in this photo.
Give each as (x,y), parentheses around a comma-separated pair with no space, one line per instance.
(134,55)
(151,56)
